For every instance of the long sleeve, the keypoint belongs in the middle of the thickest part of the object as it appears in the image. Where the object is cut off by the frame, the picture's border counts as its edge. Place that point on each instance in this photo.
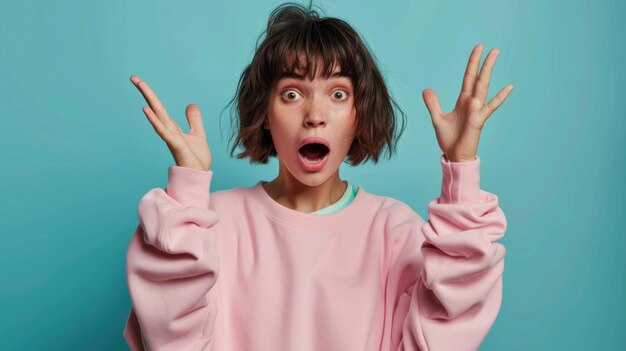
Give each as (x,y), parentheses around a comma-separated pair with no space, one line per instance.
(171,266)
(457,296)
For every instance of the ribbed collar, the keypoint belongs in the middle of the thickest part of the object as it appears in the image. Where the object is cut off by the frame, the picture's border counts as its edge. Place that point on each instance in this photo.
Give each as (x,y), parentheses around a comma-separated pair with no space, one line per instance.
(361,206)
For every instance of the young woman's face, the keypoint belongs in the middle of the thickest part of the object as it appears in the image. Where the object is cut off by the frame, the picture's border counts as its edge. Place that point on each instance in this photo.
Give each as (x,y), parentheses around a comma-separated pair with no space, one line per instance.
(319,111)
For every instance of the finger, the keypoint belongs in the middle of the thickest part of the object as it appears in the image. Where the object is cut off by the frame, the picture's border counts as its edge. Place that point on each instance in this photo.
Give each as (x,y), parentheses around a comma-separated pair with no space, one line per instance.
(155,103)
(497,100)
(432,104)
(195,120)
(482,83)
(472,70)
(156,123)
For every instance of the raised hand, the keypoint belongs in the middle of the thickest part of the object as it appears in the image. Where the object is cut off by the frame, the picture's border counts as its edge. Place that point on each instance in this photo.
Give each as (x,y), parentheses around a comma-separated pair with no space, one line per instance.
(189,150)
(458,132)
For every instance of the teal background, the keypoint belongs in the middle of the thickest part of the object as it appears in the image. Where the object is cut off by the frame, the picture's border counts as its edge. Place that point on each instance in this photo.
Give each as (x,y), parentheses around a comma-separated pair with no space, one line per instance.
(78,153)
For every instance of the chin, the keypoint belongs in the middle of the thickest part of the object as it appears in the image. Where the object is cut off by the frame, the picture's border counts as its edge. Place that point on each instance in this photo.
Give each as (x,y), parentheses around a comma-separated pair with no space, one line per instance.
(313,179)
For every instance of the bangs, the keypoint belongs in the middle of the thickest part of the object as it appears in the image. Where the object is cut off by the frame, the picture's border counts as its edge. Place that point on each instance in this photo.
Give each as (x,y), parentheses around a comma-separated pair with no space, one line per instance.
(312,50)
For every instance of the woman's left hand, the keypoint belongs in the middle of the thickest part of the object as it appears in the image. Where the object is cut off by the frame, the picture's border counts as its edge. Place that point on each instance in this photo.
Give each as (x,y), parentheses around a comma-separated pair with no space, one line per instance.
(458,132)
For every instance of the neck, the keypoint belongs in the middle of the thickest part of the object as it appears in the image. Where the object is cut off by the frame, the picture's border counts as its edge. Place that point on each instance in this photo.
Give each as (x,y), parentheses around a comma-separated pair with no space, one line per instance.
(291,193)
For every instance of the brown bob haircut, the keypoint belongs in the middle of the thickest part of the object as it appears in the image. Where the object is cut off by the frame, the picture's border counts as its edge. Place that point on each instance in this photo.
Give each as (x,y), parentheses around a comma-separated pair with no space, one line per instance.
(294,30)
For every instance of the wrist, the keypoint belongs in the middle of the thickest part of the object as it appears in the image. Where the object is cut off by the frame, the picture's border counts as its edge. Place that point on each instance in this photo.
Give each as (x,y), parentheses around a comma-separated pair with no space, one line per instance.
(459,159)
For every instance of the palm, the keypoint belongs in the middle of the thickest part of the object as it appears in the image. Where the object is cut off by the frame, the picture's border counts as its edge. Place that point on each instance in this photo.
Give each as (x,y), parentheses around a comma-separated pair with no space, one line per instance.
(199,146)
(189,150)
(458,132)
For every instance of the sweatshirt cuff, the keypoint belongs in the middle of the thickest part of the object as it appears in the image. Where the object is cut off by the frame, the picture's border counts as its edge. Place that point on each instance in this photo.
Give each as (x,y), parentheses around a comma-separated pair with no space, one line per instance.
(461,181)
(189,186)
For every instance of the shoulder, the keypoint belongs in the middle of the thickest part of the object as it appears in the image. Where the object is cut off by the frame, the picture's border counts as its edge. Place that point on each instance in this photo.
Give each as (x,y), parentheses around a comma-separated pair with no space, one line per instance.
(399,227)
(228,194)
(394,212)
(229,198)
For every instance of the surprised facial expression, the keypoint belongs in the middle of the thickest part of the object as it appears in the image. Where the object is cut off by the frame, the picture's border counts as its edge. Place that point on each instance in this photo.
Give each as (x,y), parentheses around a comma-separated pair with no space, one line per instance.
(312,124)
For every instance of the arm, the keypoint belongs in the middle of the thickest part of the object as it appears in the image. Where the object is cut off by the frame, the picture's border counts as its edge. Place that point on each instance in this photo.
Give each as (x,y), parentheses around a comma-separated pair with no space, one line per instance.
(457,295)
(171,266)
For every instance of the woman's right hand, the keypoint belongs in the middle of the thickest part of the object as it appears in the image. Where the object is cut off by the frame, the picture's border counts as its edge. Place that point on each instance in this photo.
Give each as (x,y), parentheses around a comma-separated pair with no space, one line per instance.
(189,150)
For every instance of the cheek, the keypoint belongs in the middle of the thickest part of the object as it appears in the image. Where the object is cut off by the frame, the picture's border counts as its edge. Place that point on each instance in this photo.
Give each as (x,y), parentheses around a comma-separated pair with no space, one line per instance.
(347,136)
(350,126)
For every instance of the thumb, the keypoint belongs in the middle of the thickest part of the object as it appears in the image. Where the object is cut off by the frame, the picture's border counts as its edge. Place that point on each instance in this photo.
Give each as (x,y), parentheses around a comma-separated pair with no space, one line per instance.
(194,117)
(432,104)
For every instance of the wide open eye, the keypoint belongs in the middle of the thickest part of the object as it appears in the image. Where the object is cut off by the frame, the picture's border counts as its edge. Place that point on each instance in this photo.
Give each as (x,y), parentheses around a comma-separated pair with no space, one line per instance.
(290,95)
(340,95)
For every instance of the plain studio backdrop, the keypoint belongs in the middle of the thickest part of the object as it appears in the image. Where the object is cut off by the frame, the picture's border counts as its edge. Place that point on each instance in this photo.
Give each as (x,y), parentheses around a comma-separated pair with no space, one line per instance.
(78,153)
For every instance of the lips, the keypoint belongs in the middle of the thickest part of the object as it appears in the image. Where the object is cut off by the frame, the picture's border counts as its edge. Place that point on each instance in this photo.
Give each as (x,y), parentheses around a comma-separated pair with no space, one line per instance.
(313,148)
(314,140)
(313,153)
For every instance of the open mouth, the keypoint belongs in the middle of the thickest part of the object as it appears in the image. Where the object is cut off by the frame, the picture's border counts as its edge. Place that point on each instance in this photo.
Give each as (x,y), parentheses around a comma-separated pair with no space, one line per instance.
(313,152)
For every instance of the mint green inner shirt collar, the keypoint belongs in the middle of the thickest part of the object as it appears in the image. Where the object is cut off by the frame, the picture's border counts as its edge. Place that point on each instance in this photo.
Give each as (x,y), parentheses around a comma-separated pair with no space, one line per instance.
(344,201)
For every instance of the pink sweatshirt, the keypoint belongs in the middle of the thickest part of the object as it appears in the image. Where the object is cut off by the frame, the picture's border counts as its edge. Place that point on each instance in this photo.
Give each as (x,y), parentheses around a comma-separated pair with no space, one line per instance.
(235,270)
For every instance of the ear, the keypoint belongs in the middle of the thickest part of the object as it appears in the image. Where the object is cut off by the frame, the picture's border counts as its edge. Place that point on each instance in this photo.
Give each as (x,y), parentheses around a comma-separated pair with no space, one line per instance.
(266,124)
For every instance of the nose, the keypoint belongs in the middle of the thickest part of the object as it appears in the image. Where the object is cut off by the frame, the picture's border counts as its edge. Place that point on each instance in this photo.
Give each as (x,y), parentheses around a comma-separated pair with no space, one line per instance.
(315,115)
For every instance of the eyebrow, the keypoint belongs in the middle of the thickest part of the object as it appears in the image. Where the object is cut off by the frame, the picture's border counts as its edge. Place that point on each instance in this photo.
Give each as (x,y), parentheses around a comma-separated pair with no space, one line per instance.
(291,74)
